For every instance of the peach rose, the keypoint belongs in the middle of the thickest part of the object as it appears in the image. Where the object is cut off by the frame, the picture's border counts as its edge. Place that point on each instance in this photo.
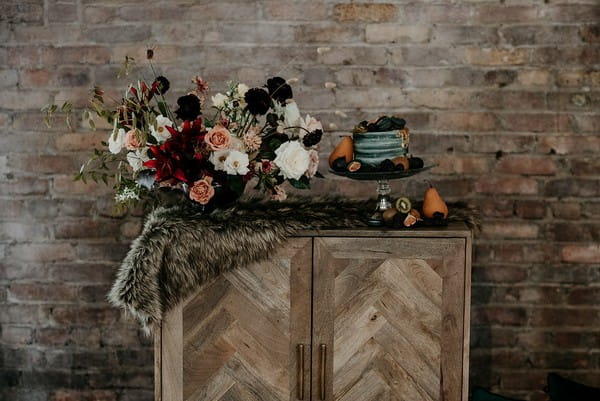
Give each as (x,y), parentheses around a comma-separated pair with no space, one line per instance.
(133,140)
(202,191)
(218,138)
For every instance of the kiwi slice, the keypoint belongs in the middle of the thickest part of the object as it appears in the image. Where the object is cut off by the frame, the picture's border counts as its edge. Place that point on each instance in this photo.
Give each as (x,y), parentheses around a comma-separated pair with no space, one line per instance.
(403,205)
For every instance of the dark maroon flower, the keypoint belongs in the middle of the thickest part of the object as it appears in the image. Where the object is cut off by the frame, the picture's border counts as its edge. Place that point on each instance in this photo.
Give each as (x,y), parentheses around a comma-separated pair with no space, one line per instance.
(163,84)
(258,101)
(312,138)
(189,107)
(279,89)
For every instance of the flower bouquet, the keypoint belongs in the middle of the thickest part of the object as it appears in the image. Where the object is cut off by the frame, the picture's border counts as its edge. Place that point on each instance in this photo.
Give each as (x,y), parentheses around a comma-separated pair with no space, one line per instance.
(252,133)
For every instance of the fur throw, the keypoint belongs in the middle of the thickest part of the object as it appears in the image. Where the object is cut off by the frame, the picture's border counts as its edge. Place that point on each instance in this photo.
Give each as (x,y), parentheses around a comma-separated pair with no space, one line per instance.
(180,248)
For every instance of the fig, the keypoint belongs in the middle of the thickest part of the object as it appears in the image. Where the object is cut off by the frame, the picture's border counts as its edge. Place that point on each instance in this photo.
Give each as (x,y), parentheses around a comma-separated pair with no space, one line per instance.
(388,215)
(415,162)
(387,165)
(354,166)
(339,164)
(401,160)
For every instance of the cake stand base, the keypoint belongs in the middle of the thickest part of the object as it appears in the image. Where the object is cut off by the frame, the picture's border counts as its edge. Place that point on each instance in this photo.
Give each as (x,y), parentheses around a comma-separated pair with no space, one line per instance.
(384,202)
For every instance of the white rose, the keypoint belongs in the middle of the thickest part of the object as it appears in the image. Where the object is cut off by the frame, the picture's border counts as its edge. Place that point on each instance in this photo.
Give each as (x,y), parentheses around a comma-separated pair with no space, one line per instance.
(116,141)
(291,115)
(242,89)
(218,158)
(292,159)
(236,163)
(137,158)
(161,133)
(218,100)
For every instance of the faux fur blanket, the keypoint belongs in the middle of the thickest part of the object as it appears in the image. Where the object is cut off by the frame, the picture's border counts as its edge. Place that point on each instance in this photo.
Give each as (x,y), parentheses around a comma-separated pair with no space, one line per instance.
(180,249)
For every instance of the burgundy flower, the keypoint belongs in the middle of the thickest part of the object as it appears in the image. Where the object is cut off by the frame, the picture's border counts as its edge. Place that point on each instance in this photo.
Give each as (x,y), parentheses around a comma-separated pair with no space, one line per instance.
(258,101)
(279,89)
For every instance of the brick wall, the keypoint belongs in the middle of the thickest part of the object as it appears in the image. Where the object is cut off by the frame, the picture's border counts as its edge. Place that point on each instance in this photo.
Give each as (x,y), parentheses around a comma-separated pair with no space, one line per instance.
(503,95)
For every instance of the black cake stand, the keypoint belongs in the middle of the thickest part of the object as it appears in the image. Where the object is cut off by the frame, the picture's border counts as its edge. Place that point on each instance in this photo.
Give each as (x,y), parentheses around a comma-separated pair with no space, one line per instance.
(384,201)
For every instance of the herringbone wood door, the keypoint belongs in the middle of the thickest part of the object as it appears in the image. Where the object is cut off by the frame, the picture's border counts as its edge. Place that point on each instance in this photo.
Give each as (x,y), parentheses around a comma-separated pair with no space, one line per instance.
(239,334)
(388,319)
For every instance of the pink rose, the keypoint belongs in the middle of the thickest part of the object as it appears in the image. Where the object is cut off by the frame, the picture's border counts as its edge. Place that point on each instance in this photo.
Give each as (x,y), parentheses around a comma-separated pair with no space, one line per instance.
(133,140)
(218,138)
(202,191)
(278,194)
(313,163)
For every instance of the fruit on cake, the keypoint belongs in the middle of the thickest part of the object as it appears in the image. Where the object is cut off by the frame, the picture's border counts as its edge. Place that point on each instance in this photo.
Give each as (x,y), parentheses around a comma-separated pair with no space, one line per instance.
(386,138)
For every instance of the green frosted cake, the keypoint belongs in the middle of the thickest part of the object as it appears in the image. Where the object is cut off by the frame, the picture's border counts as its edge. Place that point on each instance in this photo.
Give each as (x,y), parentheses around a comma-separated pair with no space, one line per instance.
(375,147)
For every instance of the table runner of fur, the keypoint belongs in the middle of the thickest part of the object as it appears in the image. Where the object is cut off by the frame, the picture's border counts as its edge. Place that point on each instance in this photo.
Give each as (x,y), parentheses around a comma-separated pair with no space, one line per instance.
(179,248)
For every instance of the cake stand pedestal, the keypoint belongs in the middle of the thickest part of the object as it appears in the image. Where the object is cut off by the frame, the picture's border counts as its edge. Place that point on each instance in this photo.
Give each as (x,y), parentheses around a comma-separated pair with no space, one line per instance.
(384,200)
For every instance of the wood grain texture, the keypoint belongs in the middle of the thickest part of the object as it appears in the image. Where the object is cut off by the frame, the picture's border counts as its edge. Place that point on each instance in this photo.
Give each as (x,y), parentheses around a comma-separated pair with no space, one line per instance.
(172,356)
(239,332)
(390,311)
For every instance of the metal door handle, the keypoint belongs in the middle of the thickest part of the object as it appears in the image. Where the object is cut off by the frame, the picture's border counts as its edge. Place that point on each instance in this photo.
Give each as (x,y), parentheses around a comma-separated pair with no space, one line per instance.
(323,350)
(300,370)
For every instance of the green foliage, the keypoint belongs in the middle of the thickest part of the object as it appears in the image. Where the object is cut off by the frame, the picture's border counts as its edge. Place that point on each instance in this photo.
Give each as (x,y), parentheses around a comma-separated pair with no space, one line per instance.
(302,183)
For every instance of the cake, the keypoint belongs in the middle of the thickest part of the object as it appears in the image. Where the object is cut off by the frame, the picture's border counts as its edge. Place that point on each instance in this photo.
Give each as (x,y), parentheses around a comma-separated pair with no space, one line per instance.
(375,147)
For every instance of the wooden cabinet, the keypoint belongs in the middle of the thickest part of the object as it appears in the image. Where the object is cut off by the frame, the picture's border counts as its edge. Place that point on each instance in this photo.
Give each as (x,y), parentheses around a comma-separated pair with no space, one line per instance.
(363,315)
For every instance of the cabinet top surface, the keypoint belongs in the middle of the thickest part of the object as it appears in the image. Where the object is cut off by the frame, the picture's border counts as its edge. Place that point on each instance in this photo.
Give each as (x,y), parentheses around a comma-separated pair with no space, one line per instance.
(454,229)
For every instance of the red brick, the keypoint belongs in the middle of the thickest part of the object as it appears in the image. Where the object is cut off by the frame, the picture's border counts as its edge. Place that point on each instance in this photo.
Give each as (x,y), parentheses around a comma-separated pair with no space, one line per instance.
(328,33)
(569,56)
(571,13)
(84,395)
(581,253)
(394,33)
(584,166)
(509,229)
(513,185)
(290,9)
(506,316)
(458,164)
(566,210)
(530,209)
(505,13)
(74,316)
(50,252)
(65,185)
(572,144)
(533,77)
(54,164)
(526,165)
(86,228)
(499,274)
(494,57)
(364,12)
(590,33)
(531,122)
(24,186)
(17,335)
(548,317)
(584,296)
(572,187)
(24,292)
(464,121)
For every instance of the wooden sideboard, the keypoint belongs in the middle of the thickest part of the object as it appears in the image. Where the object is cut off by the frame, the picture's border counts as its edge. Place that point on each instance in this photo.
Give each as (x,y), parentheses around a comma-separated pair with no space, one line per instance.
(348,315)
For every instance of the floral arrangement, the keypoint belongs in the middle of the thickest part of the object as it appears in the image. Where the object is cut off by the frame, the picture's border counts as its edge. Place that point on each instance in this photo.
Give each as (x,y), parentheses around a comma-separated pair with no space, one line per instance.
(253,133)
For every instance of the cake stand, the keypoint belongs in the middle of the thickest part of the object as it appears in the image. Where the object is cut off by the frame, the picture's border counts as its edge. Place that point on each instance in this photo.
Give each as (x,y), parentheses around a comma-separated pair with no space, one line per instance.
(384,201)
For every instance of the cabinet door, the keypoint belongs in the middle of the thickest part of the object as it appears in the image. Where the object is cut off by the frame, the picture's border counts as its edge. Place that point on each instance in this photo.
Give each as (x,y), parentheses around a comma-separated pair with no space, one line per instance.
(236,339)
(389,319)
